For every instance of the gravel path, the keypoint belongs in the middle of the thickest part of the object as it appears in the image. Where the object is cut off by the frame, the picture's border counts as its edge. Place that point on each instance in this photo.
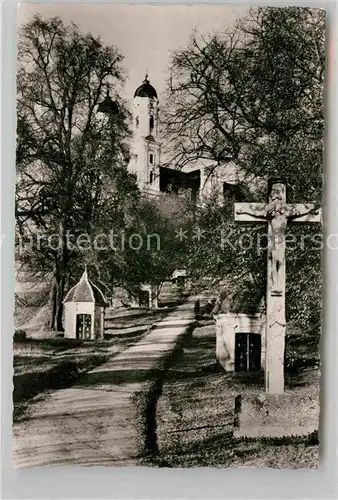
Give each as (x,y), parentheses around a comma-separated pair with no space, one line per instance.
(94,423)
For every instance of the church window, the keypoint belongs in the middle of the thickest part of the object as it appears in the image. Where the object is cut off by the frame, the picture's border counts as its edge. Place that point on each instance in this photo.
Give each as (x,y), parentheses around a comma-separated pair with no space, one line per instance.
(137,122)
(151,177)
(151,158)
(151,123)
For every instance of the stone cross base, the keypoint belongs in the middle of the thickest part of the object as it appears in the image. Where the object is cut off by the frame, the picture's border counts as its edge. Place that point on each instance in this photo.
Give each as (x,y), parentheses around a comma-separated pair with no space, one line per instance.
(275,416)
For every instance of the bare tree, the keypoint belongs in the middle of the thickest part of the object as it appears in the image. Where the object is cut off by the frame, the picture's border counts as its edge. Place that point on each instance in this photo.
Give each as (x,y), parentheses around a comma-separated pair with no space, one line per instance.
(70,158)
(253,95)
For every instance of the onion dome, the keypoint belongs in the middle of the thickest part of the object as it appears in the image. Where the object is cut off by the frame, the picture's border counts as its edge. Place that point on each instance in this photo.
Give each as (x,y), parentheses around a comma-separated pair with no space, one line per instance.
(108,106)
(145,90)
(86,291)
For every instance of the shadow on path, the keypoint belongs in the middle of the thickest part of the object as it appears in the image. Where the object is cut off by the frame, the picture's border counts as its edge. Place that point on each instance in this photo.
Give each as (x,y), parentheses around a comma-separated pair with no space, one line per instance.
(96,421)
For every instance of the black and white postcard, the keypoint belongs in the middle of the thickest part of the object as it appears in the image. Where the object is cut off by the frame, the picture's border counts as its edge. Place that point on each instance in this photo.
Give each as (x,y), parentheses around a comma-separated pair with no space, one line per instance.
(169,171)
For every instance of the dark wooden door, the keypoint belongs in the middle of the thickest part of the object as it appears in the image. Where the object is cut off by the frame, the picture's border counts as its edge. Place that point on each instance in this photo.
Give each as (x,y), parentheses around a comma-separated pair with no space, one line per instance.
(241,352)
(247,352)
(144,298)
(83,326)
(254,352)
(180,281)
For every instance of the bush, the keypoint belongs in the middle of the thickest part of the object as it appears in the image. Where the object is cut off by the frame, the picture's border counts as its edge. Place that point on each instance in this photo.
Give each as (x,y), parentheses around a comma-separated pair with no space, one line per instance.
(20,336)
(63,375)
(28,385)
(59,342)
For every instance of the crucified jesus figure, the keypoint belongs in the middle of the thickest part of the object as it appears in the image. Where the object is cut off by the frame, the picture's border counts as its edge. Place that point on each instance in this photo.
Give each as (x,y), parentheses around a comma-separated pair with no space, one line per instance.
(276,213)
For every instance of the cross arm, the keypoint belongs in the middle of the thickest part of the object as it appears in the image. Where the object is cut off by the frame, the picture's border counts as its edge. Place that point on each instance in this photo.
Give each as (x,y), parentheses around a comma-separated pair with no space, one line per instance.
(250,212)
(304,212)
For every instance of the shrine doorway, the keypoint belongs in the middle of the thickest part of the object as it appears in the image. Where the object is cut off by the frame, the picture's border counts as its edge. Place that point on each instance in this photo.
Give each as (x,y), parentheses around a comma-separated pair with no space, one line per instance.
(144,298)
(83,326)
(248,349)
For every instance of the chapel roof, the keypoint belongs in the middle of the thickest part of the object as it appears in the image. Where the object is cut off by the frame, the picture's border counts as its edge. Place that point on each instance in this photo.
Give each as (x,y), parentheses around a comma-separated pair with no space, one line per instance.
(86,291)
(145,89)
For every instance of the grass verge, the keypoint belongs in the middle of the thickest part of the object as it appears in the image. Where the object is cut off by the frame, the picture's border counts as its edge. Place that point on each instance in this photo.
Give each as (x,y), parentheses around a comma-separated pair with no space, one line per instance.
(195,414)
(53,363)
(146,401)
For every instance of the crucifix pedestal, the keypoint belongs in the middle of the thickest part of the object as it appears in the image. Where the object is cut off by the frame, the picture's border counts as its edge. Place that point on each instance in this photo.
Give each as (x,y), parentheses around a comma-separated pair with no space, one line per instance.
(276,214)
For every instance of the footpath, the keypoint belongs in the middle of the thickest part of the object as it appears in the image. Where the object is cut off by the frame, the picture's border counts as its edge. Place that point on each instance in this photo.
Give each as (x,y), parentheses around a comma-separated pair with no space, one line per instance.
(94,423)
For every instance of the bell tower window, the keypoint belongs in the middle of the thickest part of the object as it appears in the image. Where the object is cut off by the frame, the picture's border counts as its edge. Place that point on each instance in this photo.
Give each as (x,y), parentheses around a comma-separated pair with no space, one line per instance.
(151,177)
(151,123)
(137,121)
(151,158)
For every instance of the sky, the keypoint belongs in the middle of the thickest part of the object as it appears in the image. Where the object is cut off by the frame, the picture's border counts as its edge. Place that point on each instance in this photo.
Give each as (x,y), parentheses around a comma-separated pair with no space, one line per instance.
(145,34)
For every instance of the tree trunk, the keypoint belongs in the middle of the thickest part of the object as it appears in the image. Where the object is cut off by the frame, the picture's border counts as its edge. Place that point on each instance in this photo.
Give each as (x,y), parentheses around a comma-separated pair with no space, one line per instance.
(59,305)
(60,281)
(53,296)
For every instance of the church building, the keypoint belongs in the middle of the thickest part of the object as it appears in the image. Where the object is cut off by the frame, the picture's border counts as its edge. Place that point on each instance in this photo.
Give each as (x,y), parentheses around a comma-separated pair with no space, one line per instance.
(146,161)
(146,146)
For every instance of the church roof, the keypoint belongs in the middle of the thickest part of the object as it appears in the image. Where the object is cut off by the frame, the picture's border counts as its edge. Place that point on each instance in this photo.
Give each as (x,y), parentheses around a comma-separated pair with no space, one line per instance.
(150,138)
(108,106)
(86,291)
(145,90)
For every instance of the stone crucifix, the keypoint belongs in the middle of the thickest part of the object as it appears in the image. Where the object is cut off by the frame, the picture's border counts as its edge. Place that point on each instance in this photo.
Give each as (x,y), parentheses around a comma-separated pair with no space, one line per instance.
(276,213)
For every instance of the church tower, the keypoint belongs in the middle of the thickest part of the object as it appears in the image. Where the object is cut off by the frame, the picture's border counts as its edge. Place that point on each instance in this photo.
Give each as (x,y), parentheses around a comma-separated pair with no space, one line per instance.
(145,148)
